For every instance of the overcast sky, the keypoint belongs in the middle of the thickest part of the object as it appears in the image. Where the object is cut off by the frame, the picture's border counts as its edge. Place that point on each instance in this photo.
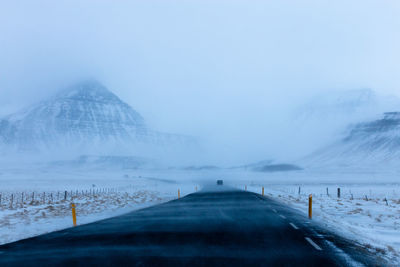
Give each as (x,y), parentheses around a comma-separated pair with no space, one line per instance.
(226,71)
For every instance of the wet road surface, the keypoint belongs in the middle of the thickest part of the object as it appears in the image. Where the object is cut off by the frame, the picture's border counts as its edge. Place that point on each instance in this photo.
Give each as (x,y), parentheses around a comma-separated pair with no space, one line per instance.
(210,228)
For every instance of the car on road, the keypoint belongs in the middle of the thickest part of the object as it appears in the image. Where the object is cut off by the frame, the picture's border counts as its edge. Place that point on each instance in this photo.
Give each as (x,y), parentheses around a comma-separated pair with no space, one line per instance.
(220,182)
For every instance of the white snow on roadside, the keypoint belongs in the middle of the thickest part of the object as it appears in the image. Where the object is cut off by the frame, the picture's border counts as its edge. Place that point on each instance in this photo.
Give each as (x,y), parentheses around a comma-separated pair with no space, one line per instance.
(372,222)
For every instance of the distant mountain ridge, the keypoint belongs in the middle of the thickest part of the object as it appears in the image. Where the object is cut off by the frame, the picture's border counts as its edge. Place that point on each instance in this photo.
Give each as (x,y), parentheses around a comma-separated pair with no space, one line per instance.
(82,117)
(372,142)
(382,135)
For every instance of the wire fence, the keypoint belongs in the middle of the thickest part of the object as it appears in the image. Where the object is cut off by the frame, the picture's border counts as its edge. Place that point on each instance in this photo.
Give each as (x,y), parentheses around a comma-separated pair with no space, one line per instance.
(12,200)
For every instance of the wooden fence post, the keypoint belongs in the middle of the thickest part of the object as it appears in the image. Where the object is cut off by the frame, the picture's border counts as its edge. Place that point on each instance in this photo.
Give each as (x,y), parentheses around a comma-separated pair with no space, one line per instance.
(73,214)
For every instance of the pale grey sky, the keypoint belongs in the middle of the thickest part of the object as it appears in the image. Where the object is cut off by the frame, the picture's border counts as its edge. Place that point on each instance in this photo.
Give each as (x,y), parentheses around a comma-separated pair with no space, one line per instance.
(223,70)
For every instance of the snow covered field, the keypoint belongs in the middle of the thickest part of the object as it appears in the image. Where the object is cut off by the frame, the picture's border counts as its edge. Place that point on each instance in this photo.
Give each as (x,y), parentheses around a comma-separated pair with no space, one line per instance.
(361,213)
(39,204)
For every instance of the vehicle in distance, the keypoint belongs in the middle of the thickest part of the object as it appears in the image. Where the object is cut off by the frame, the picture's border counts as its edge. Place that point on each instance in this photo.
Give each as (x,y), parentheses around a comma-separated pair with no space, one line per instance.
(220,182)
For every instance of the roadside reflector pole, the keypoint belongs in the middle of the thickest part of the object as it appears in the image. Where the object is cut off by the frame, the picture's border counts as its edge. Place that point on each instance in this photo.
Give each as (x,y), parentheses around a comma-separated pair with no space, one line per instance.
(73,214)
(263,190)
(179,193)
(196,188)
(310,206)
(245,188)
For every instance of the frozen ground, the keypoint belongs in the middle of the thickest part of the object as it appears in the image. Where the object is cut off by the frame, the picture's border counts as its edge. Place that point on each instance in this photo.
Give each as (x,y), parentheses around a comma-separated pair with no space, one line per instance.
(34,201)
(361,213)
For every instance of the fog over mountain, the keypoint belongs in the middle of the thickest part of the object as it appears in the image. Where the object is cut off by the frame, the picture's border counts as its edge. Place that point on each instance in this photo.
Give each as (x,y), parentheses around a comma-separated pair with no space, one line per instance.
(157,126)
(252,81)
(326,118)
(82,119)
(371,145)
(86,118)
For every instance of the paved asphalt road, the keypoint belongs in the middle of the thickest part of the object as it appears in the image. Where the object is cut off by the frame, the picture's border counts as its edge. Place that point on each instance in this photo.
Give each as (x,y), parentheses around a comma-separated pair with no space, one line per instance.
(211,228)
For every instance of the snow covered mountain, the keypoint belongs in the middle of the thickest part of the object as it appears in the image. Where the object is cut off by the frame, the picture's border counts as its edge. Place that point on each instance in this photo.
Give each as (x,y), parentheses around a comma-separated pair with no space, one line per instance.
(325,118)
(381,135)
(83,118)
(366,144)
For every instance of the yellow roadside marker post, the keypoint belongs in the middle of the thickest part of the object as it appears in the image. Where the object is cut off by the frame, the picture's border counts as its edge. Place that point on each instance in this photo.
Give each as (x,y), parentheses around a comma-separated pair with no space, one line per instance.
(73,214)
(179,194)
(310,206)
(263,190)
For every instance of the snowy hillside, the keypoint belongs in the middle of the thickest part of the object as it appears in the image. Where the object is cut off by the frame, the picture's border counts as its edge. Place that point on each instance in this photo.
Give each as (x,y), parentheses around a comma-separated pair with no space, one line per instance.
(325,118)
(369,144)
(86,117)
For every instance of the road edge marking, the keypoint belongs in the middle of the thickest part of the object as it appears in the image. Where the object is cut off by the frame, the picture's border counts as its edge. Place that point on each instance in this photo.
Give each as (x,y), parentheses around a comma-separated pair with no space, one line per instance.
(294,226)
(313,243)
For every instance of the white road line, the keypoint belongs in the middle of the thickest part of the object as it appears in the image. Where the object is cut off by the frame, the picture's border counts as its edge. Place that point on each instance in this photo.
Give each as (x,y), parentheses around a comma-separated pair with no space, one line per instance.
(274,210)
(313,244)
(294,226)
(283,217)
